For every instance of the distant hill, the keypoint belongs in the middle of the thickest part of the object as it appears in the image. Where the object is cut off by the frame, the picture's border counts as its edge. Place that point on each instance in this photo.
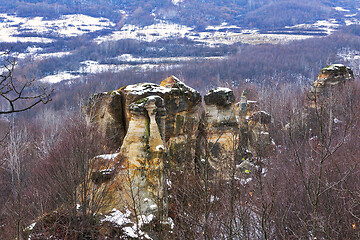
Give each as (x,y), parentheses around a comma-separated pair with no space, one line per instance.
(268,14)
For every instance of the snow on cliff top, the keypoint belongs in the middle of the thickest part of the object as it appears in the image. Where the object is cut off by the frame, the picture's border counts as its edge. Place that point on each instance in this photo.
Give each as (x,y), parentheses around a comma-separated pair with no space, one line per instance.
(142,88)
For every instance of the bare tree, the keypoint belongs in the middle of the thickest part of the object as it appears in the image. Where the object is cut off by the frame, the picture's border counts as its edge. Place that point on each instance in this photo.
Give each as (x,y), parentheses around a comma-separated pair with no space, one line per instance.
(19,95)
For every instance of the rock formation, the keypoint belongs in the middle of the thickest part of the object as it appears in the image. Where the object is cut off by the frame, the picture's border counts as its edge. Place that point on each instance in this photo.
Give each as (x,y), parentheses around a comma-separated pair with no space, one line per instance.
(332,75)
(144,120)
(147,121)
(221,129)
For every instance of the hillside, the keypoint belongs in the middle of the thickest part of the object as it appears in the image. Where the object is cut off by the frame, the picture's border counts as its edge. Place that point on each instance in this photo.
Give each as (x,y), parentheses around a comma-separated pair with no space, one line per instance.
(64,40)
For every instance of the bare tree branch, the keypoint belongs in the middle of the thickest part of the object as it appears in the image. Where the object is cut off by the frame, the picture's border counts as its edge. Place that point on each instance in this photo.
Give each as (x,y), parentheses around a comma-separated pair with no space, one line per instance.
(19,96)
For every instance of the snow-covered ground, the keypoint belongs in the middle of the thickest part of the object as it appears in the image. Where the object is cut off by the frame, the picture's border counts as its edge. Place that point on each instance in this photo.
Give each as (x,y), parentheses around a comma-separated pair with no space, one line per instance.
(215,35)
(143,64)
(93,67)
(341,9)
(66,26)
(327,26)
(158,31)
(38,29)
(123,219)
(36,53)
(176,2)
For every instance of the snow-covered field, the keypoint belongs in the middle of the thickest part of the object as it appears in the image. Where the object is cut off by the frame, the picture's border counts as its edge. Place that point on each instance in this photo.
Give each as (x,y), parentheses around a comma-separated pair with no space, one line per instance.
(142,64)
(39,30)
(215,35)
(11,26)
(36,53)
(93,67)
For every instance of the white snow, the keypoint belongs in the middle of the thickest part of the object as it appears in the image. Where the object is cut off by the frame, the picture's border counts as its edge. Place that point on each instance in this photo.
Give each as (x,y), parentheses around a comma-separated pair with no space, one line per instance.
(176,2)
(153,207)
(223,26)
(31,226)
(213,198)
(130,58)
(33,53)
(245,180)
(160,148)
(350,55)
(59,77)
(168,182)
(65,26)
(142,88)
(221,89)
(118,217)
(93,67)
(107,171)
(157,31)
(327,25)
(337,120)
(341,9)
(108,156)
(121,219)
(334,66)
(351,15)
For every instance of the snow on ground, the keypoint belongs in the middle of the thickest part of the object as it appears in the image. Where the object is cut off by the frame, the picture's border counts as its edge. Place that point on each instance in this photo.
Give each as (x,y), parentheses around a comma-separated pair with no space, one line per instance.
(176,2)
(77,24)
(65,26)
(213,39)
(223,26)
(158,31)
(131,229)
(130,58)
(35,54)
(93,67)
(59,77)
(349,55)
(165,30)
(351,21)
(341,9)
(142,64)
(327,25)
(108,156)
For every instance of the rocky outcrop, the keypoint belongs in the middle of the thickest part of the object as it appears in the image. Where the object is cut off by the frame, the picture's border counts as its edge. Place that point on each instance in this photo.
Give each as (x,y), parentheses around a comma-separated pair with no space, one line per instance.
(106,110)
(157,119)
(332,75)
(143,150)
(221,129)
(151,118)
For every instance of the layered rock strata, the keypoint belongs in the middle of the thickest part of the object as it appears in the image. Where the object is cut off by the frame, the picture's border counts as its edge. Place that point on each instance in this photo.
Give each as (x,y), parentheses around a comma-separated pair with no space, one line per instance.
(330,76)
(147,120)
(151,118)
(221,129)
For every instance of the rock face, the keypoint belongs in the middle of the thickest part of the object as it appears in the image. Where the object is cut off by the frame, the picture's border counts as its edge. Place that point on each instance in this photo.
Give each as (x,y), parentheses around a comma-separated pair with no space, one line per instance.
(332,75)
(144,120)
(221,129)
(147,120)
(143,150)
(106,109)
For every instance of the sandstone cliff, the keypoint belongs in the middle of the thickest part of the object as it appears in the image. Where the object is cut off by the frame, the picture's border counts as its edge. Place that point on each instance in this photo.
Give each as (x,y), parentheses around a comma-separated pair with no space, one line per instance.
(153,126)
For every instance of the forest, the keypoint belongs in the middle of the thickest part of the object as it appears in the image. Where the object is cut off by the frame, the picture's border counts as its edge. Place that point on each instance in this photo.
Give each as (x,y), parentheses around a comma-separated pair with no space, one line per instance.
(268,14)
